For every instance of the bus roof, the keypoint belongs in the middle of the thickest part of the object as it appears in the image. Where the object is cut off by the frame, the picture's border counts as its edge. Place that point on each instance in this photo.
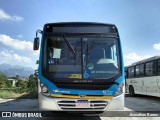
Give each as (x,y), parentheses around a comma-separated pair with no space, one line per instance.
(82,27)
(143,61)
(95,23)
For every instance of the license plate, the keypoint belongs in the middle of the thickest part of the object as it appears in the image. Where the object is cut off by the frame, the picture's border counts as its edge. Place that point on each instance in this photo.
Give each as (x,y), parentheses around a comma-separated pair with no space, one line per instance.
(82,104)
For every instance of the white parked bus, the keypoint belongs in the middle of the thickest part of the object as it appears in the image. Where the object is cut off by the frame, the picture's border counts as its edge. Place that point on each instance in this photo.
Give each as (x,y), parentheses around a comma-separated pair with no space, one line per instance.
(143,77)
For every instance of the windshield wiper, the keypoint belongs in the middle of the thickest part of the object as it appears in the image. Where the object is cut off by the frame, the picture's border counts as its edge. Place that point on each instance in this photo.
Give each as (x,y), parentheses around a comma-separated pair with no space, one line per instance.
(87,55)
(69,44)
(98,37)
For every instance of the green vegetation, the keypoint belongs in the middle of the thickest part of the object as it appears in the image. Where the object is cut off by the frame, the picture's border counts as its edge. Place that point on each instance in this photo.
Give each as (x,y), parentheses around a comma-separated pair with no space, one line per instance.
(27,88)
(3,81)
(8,94)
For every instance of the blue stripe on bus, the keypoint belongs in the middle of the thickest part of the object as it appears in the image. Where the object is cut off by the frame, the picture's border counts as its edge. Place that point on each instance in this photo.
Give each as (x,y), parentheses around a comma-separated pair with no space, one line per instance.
(54,90)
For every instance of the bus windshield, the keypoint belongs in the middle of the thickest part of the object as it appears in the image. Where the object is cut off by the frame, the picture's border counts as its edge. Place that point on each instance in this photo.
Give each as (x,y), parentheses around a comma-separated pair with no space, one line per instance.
(81,56)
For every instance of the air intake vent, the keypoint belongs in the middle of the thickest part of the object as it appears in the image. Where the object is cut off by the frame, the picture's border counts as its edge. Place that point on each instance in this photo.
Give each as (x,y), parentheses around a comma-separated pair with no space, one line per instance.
(83,86)
(92,104)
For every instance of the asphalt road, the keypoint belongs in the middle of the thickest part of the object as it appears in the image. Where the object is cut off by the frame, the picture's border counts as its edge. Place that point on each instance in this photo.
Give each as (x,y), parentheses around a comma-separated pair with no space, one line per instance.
(137,103)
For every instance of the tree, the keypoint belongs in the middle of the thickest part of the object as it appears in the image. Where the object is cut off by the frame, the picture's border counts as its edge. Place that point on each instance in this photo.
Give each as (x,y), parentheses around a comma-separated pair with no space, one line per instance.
(20,83)
(3,81)
(33,82)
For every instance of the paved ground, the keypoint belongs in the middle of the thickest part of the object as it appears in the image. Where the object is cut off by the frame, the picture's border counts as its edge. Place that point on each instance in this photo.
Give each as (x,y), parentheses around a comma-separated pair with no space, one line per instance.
(138,103)
(142,103)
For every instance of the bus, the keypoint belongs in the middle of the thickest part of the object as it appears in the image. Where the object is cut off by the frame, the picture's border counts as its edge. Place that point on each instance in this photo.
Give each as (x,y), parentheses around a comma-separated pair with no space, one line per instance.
(143,77)
(80,67)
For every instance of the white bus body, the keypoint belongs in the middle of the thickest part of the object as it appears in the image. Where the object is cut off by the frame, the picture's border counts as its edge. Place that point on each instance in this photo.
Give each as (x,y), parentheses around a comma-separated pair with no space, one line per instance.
(143,77)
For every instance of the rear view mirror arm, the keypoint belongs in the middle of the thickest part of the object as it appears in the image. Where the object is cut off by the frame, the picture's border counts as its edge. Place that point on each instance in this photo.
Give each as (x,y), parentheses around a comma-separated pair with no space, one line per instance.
(38,31)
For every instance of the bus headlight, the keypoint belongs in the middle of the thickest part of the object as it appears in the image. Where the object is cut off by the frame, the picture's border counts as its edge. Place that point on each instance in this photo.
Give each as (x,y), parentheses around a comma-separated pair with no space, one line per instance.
(44,90)
(120,90)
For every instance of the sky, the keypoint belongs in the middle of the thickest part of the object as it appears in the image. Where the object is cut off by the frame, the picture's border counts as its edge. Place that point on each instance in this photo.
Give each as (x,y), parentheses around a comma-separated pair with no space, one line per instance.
(138,22)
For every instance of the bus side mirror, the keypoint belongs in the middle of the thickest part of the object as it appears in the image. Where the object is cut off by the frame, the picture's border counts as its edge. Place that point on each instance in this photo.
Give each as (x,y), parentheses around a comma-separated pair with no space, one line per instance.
(36,43)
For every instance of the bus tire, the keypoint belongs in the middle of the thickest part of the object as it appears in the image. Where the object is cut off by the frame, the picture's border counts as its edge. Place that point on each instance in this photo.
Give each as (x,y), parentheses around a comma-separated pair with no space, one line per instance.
(131,91)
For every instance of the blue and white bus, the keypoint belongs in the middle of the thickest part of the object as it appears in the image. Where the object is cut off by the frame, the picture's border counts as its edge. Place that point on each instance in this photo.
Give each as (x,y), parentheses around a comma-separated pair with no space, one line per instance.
(80,67)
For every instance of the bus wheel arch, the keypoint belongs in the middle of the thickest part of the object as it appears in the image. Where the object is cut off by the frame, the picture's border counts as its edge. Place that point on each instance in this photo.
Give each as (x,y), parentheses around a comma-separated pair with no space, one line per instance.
(131,90)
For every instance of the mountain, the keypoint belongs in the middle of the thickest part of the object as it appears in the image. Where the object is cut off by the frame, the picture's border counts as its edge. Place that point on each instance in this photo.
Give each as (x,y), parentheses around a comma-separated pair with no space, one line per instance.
(11,70)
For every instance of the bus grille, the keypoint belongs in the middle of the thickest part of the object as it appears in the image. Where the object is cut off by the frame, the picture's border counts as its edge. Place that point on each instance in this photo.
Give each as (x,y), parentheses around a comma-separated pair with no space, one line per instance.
(83,86)
(94,105)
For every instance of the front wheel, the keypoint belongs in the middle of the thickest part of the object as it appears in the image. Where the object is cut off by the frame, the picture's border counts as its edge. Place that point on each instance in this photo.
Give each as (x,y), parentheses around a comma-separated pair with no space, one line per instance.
(131,91)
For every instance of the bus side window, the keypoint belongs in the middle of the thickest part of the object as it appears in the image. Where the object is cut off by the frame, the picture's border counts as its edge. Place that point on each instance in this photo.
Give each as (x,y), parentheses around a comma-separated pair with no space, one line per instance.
(150,68)
(147,69)
(154,68)
(131,72)
(137,70)
(141,70)
(159,67)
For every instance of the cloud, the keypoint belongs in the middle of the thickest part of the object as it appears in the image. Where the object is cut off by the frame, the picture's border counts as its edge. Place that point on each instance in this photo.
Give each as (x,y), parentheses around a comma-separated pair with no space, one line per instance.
(18,44)
(133,57)
(20,36)
(13,58)
(4,16)
(156,46)
(17,18)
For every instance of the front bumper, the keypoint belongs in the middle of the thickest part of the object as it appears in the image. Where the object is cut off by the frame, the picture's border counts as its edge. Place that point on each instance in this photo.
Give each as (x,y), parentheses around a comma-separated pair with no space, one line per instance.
(53,104)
